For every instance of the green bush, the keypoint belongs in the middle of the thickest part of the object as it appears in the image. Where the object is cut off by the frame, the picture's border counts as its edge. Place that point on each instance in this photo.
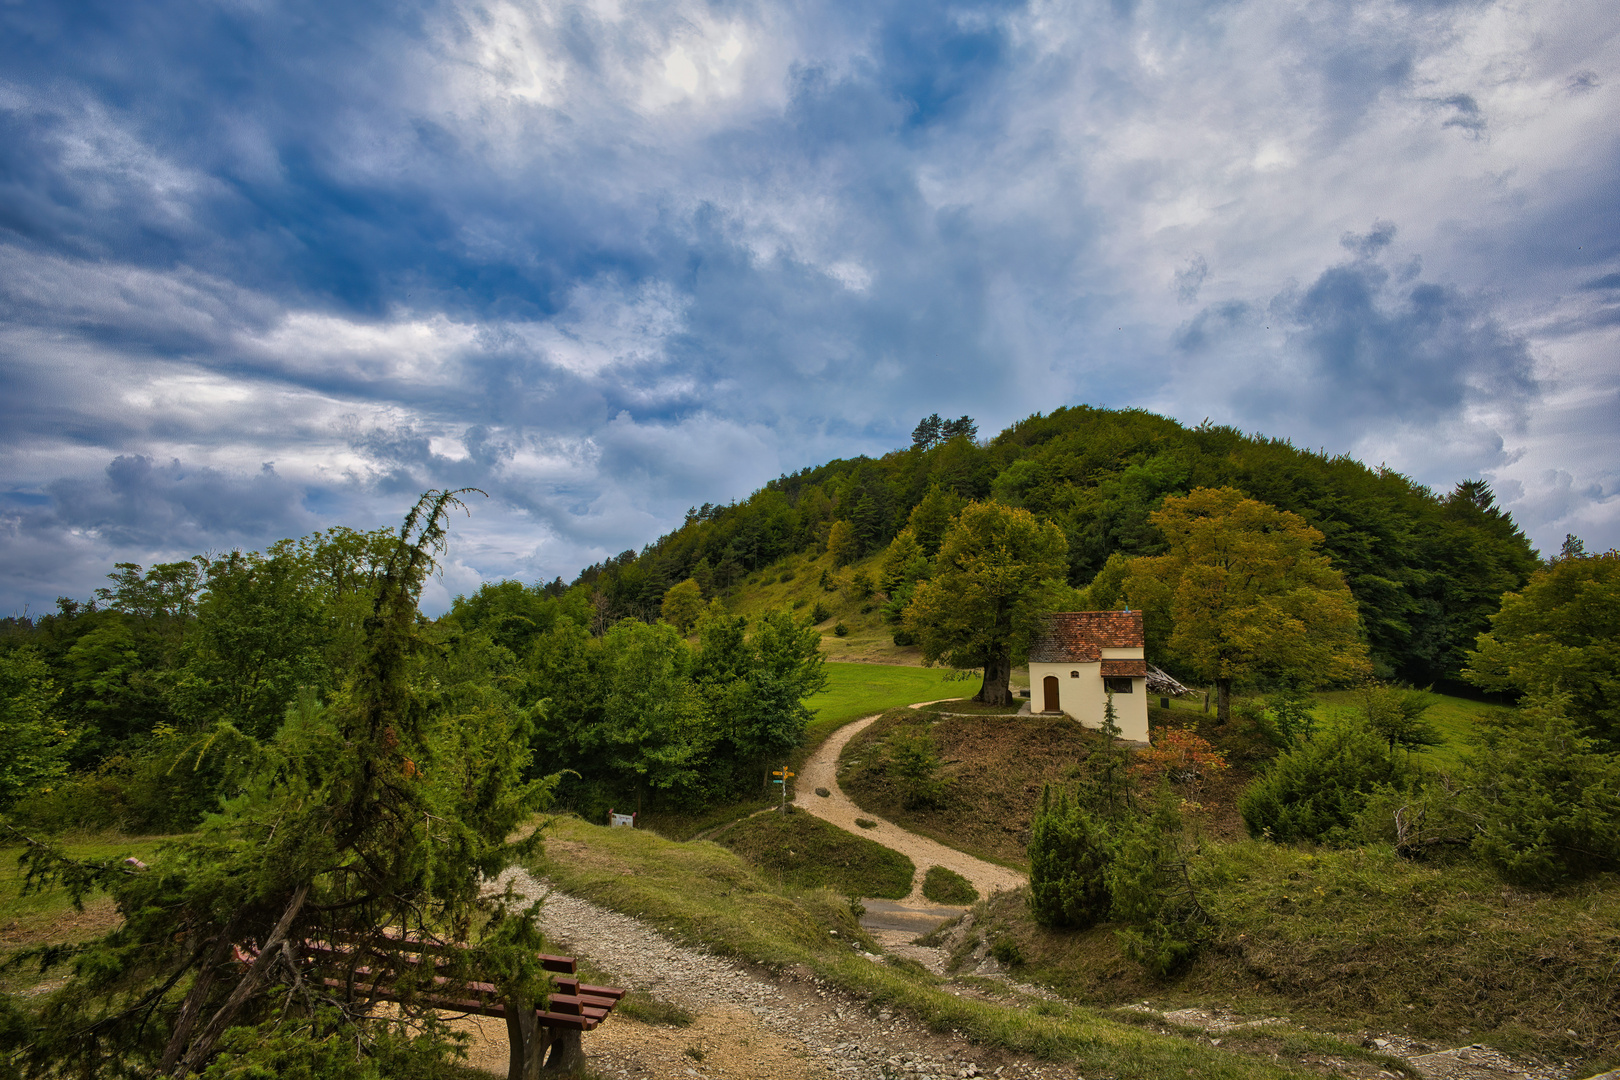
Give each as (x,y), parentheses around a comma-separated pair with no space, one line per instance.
(1150,879)
(944,886)
(904,637)
(1317,790)
(1546,801)
(819,613)
(914,763)
(840,630)
(1008,951)
(1069,853)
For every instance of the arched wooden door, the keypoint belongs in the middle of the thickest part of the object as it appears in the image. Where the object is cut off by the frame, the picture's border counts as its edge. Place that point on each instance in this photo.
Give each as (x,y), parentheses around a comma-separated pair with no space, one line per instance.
(1049,690)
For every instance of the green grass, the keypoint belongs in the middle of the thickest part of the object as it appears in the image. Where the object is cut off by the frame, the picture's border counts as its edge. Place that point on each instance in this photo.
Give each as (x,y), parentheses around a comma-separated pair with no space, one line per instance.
(704,894)
(48,917)
(1360,939)
(804,852)
(1457,720)
(944,886)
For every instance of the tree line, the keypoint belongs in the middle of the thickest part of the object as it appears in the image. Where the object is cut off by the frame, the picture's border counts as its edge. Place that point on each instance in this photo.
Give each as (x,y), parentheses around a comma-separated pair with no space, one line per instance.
(1425,569)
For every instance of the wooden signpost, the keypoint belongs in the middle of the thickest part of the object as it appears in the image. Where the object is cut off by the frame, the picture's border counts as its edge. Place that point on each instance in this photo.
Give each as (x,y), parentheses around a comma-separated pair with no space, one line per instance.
(782,777)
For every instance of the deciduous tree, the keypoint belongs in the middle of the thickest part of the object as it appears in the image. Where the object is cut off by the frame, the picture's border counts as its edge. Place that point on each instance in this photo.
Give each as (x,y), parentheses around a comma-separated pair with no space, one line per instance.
(1560,635)
(1248,593)
(986,602)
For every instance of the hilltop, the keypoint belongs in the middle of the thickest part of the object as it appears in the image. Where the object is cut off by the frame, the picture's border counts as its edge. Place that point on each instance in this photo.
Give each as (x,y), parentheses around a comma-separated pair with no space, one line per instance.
(1427,569)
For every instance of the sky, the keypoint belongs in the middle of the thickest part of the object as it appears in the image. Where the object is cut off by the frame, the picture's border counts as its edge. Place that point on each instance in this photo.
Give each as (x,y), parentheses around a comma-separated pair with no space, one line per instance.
(269,267)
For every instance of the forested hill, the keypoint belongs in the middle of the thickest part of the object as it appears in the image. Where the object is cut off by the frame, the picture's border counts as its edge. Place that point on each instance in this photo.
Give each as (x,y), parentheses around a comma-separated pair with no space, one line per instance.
(1427,569)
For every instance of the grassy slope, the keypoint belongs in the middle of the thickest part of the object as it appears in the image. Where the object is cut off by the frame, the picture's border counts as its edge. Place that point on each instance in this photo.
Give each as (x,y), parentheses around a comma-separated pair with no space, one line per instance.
(705,894)
(804,852)
(1340,939)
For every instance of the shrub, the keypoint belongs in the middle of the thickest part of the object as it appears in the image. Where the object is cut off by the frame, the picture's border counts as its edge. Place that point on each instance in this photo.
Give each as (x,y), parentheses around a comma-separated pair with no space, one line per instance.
(1008,951)
(860,585)
(1069,852)
(819,613)
(915,765)
(1150,880)
(944,886)
(1180,756)
(786,575)
(840,630)
(1546,801)
(1318,789)
(904,637)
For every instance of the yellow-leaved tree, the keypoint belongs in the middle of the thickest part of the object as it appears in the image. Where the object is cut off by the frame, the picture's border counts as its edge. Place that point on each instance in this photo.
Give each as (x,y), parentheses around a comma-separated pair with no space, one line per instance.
(1248,594)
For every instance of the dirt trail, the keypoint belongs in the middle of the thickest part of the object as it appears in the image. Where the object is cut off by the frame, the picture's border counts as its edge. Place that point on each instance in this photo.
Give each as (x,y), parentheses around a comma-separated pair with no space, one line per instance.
(821,771)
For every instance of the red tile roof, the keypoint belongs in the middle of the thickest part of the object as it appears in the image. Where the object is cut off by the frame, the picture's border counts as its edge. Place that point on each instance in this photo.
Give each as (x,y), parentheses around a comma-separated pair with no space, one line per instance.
(1079,637)
(1124,669)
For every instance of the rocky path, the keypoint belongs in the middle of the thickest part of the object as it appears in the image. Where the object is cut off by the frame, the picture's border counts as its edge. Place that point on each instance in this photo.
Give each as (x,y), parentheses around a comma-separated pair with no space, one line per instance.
(748,1025)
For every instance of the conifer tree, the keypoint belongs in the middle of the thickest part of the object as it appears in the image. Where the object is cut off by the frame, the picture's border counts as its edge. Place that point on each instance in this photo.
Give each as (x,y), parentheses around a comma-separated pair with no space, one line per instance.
(374,810)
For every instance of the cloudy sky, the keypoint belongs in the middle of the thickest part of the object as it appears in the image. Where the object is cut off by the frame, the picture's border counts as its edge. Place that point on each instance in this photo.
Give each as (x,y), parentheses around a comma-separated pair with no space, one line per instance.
(271,266)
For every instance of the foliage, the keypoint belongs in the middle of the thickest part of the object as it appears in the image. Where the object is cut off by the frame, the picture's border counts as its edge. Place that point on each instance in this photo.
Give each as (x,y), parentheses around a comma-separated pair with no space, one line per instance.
(986,601)
(1248,594)
(1560,634)
(1316,790)
(1069,853)
(33,743)
(1544,799)
(1396,714)
(1150,880)
(683,605)
(1181,757)
(913,759)
(945,886)
(388,806)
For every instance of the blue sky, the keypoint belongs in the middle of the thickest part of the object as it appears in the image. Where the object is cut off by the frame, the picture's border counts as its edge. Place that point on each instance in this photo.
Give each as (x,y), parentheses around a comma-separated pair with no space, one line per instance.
(267,267)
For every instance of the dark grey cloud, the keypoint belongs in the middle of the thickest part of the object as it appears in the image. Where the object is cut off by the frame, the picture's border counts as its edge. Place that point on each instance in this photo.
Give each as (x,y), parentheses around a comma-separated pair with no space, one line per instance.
(607,262)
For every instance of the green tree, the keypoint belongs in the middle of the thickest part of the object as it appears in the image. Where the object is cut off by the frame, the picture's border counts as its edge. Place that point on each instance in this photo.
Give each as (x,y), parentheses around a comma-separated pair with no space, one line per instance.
(1069,853)
(989,594)
(932,517)
(1560,635)
(259,637)
(33,742)
(1248,593)
(653,733)
(1396,714)
(1544,800)
(842,543)
(683,605)
(1317,789)
(379,809)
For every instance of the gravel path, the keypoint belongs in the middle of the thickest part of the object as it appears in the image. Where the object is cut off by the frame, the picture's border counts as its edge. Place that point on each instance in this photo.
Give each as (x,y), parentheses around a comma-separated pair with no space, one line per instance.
(821,771)
(749,1025)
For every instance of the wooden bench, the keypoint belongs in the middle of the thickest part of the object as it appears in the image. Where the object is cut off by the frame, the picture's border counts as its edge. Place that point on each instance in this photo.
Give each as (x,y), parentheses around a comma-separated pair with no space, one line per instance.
(541,1036)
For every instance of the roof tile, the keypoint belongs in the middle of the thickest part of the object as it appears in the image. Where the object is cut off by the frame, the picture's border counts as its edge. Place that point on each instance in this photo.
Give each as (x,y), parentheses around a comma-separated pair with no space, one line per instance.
(1078,637)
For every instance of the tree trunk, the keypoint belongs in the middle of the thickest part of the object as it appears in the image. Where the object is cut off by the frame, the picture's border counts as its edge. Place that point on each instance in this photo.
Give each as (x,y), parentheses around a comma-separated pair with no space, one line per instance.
(1223,701)
(997,670)
(192,1008)
(249,982)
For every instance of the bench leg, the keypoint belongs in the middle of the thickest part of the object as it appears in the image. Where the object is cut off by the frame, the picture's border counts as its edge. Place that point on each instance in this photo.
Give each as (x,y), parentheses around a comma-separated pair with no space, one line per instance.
(527,1041)
(567,1052)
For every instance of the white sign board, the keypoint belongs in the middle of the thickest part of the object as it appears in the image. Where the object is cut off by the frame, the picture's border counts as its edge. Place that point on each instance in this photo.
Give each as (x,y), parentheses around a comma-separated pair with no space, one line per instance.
(627,821)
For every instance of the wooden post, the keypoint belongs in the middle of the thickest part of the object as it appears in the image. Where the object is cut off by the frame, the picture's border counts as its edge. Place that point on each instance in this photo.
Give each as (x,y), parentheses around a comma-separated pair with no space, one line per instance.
(567,1052)
(527,1040)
